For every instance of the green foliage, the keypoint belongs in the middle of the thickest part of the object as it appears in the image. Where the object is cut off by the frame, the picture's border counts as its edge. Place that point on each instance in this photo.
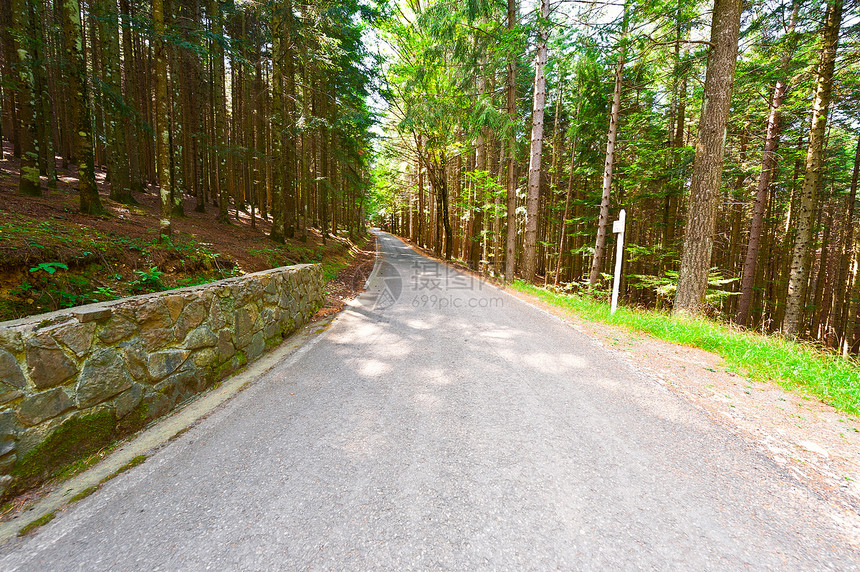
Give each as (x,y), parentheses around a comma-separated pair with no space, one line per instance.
(128,466)
(83,494)
(39,522)
(106,293)
(49,267)
(667,284)
(147,281)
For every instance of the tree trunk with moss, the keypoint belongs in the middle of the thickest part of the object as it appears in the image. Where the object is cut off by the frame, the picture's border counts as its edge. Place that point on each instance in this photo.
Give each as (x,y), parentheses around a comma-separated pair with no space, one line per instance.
(79,108)
(219,113)
(289,145)
(129,80)
(162,120)
(24,33)
(278,125)
(112,98)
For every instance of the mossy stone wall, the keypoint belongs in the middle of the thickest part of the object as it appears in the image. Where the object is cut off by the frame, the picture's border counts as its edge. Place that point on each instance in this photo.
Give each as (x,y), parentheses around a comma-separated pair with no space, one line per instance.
(72,381)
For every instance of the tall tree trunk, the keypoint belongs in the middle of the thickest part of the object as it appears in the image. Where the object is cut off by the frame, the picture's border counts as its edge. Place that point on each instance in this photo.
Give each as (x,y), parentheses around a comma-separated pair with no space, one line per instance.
(219,111)
(44,115)
(79,108)
(821,279)
(843,283)
(162,120)
(511,88)
(532,211)
(130,81)
(563,230)
(478,184)
(116,150)
(324,181)
(7,61)
(768,169)
(708,165)
(290,122)
(801,254)
(603,220)
(278,125)
(422,226)
(23,22)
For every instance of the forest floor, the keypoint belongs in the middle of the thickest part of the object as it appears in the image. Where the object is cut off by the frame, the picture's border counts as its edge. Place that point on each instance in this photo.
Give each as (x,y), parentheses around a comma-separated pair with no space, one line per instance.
(53,257)
(814,443)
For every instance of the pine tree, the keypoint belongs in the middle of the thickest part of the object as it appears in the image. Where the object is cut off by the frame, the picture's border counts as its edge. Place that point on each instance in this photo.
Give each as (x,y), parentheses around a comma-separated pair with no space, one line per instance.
(707,170)
(801,254)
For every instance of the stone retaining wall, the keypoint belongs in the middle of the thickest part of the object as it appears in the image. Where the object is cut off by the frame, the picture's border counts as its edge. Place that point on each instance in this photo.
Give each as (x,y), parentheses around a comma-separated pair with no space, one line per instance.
(74,380)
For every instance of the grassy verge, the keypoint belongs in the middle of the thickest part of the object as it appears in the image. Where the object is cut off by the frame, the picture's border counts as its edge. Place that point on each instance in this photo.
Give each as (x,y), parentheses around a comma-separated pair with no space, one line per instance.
(793,365)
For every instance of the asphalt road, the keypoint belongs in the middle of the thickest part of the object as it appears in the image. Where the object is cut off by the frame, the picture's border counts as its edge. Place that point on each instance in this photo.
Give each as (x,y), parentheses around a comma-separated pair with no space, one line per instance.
(440,423)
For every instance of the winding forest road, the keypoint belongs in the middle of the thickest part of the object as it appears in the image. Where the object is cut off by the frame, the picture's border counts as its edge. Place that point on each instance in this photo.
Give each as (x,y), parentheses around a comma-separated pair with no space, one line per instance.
(441,423)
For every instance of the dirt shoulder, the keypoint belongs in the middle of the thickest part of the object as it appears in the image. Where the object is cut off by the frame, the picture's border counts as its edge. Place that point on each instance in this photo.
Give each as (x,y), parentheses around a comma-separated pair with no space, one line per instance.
(350,280)
(816,445)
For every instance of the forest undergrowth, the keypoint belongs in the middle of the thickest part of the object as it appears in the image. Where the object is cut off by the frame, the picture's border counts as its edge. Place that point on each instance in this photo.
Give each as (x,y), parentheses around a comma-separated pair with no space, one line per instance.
(53,257)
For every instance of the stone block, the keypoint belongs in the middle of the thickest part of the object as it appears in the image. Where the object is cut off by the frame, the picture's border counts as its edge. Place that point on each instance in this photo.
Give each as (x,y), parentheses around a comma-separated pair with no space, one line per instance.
(128,400)
(226,349)
(104,375)
(49,366)
(8,394)
(156,405)
(85,315)
(135,360)
(156,339)
(46,405)
(272,325)
(202,337)
(272,284)
(11,340)
(223,291)
(217,320)
(7,461)
(77,337)
(205,358)
(174,305)
(5,482)
(153,314)
(116,329)
(257,346)
(178,386)
(246,325)
(287,300)
(7,443)
(192,316)
(10,370)
(8,424)
(162,364)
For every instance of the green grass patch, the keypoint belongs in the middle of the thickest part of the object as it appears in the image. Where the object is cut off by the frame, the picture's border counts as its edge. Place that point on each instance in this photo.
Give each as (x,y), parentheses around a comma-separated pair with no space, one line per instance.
(41,521)
(793,365)
(83,494)
(127,467)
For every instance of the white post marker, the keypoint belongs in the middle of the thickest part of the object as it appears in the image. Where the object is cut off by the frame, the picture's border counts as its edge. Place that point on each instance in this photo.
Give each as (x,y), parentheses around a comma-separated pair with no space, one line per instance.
(618,228)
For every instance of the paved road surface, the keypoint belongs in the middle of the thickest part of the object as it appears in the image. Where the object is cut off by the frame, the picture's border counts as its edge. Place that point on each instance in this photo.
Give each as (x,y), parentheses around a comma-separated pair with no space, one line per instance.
(443,424)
